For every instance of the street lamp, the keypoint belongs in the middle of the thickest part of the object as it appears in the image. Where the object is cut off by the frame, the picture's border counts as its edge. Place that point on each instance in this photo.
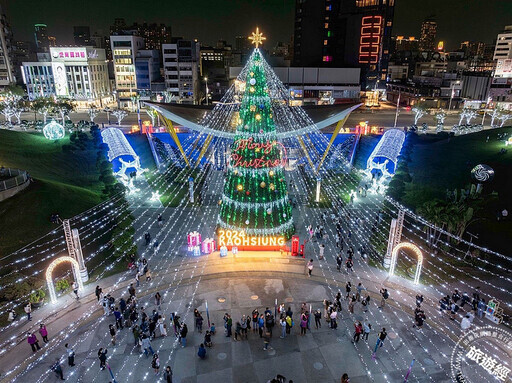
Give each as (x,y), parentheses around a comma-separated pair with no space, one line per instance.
(451,96)
(206,84)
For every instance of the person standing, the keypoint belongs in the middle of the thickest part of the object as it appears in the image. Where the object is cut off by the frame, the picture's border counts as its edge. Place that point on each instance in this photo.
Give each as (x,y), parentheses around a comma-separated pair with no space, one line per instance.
(102,356)
(183,334)
(333,317)
(75,290)
(348,288)
(56,367)
(384,296)
(321,251)
(367,327)
(282,322)
(358,330)
(359,290)
(155,364)
(146,345)
(161,325)
(168,375)
(201,352)
(158,300)
(33,342)
(229,325)
(339,261)
(255,317)
(309,267)
(345,379)
(43,332)
(303,324)
(28,310)
(112,331)
(119,318)
(71,355)
(261,325)
(266,340)
(97,292)
(318,319)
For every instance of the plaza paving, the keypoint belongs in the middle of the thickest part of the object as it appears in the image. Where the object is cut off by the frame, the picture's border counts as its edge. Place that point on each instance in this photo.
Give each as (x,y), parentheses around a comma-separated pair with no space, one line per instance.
(187,283)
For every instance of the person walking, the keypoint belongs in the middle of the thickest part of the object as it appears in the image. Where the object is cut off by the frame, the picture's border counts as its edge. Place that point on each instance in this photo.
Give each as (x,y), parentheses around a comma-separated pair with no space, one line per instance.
(57,368)
(321,251)
(158,300)
(309,267)
(112,331)
(333,317)
(261,325)
(339,261)
(359,290)
(168,375)
(43,332)
(102,356)
(345,379)
(183,334)
(119,318)
(75,290)
(380,341)
(71,355)
(33,342)
(155,364)
(146,345)
(229,325)
(28,311)
(243,327)
(255,316)
(266,340)
(161,325)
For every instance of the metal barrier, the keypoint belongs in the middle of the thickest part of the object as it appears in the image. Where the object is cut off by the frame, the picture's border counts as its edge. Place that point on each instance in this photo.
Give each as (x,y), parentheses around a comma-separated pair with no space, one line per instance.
(18,177)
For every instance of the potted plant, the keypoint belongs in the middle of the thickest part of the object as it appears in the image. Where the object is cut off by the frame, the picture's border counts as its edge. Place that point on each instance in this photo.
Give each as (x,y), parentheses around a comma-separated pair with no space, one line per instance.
(37,297)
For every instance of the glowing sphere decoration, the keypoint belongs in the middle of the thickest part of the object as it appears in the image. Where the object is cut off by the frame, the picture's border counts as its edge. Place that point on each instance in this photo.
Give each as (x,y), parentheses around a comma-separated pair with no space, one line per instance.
(53,131)
(482,173)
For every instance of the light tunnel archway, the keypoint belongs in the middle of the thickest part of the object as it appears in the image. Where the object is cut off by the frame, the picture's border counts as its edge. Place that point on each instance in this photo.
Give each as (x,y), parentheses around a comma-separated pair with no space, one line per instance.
(416,250)
(49,271)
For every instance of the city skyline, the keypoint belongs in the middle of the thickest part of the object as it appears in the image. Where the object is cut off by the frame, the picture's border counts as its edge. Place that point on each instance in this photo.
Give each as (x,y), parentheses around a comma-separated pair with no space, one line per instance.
(275,17)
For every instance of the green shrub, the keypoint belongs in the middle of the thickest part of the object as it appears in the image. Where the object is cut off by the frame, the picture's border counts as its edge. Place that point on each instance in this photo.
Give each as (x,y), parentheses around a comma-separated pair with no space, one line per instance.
(37,296)
(62,285)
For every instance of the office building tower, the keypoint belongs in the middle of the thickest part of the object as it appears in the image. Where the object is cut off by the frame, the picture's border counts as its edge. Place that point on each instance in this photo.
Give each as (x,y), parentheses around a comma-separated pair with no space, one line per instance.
(41,37)
(428,34)
(82,36)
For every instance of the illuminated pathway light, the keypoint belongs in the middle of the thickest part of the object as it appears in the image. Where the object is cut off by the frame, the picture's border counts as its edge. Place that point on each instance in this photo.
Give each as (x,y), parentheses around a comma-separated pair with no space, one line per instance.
(49,272)
(416,250)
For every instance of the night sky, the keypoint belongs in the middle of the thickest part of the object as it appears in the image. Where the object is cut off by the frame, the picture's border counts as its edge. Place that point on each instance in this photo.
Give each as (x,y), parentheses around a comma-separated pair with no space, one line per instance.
(210,20)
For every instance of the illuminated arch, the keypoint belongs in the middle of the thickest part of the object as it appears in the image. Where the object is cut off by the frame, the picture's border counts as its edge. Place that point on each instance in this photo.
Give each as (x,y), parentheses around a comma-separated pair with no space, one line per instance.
(387,150)
(49,271)
(416,250)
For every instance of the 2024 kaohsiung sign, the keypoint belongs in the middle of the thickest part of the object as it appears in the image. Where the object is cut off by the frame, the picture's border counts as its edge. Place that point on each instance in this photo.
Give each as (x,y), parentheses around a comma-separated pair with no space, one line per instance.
(238,238)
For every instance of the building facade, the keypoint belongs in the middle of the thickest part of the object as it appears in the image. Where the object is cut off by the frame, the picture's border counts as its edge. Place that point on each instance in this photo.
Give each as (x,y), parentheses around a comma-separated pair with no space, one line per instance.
(500,91)
(316,86)
(345,33)
(124,51)
(181,70)
(147,70)
(79,73)
(82,36)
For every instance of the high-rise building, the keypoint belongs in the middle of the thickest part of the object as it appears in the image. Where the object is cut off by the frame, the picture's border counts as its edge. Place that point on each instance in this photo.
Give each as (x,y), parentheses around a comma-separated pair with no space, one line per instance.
(41,36)
(345,33)
(147,69)
(472,48)
(124,51)
(503,48)
(181,69)
(82,35)
(6,55)
(428,34)
(402,43)
(52,41)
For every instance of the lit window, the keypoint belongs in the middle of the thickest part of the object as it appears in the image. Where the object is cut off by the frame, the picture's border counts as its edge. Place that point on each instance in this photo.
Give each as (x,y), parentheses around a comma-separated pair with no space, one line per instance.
(326,25)
(327,58)
(328,33)
(325,42)
(328,8)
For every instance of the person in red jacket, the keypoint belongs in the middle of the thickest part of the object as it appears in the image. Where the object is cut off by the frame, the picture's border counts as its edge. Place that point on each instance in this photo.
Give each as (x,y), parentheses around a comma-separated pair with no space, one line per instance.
(358,331)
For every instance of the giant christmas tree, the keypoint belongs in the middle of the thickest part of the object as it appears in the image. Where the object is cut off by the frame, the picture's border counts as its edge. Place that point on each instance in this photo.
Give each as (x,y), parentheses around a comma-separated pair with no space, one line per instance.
(255,196)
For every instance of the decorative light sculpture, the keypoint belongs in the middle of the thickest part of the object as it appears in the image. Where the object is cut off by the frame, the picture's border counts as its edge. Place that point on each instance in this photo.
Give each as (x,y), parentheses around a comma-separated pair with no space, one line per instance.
(120,150)
(54,131)
(49,272)
(387,149)
(416,250)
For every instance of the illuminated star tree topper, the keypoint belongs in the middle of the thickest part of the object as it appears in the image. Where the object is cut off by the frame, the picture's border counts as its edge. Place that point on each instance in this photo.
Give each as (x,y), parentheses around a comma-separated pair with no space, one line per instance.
(257,38)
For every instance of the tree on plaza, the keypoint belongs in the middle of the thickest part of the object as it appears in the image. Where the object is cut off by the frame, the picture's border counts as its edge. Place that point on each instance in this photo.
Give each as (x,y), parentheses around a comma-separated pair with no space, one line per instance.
(504,116)
(470,114)
(153,114)
(63,106)
(255,193)
(120,115)
(419,111)
(495,115)
(93,113)
(440,116)
(43,105)
(12,103)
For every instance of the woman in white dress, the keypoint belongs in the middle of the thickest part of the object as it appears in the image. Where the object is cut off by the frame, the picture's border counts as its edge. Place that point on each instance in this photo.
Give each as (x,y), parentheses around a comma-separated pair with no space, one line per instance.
(161,325)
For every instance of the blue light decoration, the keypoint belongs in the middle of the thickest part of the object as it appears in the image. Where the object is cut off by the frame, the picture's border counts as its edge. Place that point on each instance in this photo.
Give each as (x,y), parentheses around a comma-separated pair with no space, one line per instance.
(384,157)
(53,131)
(120,153)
